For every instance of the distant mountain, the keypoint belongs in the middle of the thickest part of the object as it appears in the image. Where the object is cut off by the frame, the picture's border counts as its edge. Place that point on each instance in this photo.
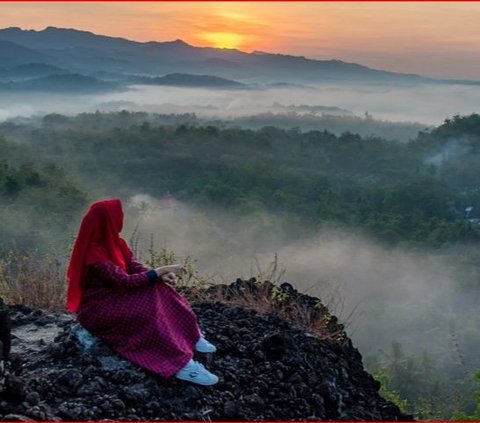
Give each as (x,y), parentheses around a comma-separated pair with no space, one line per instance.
(31,70)
(189,80)
(74,83)
(60,38)
(85,52)
(13,54)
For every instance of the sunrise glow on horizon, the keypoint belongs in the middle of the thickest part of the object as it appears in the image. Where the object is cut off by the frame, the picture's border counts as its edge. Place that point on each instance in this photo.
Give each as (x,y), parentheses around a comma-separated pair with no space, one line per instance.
(436,39)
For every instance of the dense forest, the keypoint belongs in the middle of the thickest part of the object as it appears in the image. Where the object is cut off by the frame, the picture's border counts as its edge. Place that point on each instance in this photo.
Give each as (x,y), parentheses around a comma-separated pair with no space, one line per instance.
(413,194)
(419,195)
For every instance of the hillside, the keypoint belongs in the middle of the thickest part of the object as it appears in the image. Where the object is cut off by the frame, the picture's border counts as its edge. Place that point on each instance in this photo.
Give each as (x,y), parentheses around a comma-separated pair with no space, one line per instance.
(393,191)
(310,197)
(85,52)
(13,54)
(188,80)
(74,83)
(270,369)
(30,70)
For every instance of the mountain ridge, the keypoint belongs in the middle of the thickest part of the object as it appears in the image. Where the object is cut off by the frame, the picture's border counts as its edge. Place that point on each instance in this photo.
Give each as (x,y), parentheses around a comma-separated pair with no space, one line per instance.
(189,80)
(155,57)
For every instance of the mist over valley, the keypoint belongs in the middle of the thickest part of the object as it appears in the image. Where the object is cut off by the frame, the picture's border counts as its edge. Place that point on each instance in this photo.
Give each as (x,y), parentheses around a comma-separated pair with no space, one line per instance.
(106,74)
(355,185)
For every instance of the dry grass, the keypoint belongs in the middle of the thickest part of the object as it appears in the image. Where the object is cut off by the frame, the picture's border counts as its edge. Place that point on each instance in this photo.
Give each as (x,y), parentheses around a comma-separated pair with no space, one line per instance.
(33,281)
(266,297)
(38,281)
(263,297)
(264,293)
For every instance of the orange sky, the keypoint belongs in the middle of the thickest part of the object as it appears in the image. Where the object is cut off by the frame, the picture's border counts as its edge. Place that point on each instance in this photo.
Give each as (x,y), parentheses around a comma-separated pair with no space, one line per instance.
(438,39)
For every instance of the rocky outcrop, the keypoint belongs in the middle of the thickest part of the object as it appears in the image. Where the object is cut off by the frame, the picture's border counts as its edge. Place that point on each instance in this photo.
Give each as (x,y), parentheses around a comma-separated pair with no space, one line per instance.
(5,329)
(269,369)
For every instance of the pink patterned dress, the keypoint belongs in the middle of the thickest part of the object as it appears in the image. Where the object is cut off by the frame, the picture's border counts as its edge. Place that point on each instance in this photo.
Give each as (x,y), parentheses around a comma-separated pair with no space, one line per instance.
(143,319)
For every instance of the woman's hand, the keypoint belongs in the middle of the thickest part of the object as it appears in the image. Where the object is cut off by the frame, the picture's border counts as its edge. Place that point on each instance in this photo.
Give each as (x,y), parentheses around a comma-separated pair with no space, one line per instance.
(176,269)
(170,278)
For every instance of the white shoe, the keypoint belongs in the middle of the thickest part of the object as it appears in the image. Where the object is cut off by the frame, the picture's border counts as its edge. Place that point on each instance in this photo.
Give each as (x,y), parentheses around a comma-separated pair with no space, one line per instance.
(204,346)
(195,372)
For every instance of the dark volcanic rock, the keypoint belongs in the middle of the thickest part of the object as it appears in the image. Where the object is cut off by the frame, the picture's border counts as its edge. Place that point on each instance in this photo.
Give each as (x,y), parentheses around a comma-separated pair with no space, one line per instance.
(5,327)
(269,369)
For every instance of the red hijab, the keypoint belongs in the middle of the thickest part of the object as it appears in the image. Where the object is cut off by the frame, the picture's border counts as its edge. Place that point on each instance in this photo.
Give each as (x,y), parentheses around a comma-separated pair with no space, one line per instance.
(98,241)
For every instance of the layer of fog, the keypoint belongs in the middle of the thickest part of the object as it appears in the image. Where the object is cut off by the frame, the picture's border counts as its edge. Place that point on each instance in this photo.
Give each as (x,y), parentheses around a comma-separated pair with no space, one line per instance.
(427,104)
(454,148)
(407,297)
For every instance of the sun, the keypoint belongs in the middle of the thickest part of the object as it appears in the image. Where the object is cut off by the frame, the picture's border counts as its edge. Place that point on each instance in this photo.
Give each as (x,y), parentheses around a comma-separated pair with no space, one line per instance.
(224,39)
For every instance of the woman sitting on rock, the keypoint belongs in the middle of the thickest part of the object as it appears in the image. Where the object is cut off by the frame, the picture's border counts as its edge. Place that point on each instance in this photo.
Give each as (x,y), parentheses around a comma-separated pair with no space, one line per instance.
(130,308)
